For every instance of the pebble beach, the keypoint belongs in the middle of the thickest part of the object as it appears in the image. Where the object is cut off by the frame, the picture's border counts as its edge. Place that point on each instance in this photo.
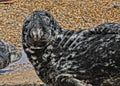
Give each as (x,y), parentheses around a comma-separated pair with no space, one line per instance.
(71,14)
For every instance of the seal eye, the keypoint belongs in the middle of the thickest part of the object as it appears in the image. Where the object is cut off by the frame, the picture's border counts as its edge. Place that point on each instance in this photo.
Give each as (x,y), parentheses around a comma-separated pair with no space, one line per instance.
(46,20)
(26,23)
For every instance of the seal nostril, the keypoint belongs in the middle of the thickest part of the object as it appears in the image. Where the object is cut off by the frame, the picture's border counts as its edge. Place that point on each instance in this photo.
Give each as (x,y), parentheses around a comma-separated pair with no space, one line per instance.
(32,34)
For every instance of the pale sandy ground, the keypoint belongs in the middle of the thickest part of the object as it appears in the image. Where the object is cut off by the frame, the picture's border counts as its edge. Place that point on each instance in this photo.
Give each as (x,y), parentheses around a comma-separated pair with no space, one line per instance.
(72,14)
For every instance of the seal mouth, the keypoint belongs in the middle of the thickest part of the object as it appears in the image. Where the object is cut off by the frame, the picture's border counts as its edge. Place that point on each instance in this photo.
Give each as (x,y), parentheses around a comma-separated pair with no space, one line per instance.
(36,41)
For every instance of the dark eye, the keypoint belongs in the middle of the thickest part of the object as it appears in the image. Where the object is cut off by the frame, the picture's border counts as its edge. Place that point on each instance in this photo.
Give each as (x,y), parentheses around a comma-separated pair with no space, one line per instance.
(46,20)
(26,23)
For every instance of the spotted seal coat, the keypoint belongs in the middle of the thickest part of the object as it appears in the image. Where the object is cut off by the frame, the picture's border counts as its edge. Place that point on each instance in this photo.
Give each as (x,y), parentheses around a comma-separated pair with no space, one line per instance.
(68,57)
(8,54)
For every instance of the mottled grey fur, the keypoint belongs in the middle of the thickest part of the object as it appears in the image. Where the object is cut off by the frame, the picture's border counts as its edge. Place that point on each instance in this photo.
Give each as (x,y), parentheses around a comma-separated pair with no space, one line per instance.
(69,57)
(8,54)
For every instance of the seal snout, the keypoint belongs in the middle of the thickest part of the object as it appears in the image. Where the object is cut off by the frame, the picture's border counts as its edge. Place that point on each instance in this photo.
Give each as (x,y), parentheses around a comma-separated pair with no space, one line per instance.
(36,34)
